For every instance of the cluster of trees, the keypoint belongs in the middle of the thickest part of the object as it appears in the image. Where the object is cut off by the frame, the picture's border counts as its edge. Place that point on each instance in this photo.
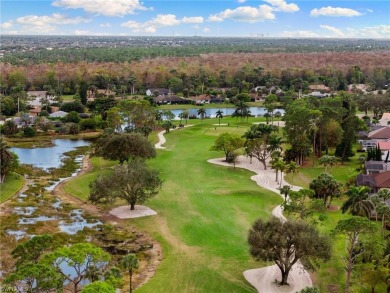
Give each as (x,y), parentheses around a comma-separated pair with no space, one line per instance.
(192,76)
(44,266)
(313,126)
(8,160)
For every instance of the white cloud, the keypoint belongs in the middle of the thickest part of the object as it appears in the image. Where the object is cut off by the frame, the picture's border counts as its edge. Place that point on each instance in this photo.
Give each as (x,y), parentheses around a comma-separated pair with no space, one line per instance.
(336,32)
(103,7)
(241,1)
(379,31)
(194,19)
(334,11)
(298,34)
(281,5)
(245,14)
(206,30)
(106,24)
(161,20)
(46,23)
(6,25)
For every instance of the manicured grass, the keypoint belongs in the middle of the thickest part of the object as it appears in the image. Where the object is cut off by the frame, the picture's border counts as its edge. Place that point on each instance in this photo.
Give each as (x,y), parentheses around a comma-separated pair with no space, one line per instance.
(341,172)
(11,185)
(79,186)
(204,214)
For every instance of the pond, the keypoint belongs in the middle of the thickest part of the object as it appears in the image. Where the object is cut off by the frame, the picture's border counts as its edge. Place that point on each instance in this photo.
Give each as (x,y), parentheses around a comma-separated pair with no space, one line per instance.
(210,112)
(48,157)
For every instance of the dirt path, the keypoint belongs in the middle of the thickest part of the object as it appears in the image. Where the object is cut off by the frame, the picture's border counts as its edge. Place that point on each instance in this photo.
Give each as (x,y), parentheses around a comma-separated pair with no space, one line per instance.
(263,279)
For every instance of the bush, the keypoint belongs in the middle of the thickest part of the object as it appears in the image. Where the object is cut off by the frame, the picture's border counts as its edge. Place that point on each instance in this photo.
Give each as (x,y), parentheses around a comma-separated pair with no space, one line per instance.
(72,128)
(29,132)
(76,106)
(88,124)
(72,117)
(9,128)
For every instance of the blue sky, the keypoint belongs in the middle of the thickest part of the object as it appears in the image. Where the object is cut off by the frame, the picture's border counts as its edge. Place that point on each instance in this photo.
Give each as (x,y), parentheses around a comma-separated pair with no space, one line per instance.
(220,18)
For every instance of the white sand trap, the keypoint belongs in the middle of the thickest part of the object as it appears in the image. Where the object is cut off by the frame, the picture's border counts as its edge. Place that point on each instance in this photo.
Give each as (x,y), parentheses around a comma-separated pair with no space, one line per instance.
(263,279)
(124,212)
(220,124)
(162,140)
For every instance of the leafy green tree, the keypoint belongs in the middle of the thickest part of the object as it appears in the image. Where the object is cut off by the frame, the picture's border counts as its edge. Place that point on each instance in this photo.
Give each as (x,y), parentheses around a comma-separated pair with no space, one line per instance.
(286,243)
(325,187)
(349,125)
(98,286)
(35,277)
(299,203)
(133,182)
(114,119)
(227,143)
(328,160)
(130,263)
(83,88)
(123,146)
(219,115)
(241,110)
(8,160)
(138,115)
(80,258)
(31,250)
(270,104)
(353,229)
(358,202)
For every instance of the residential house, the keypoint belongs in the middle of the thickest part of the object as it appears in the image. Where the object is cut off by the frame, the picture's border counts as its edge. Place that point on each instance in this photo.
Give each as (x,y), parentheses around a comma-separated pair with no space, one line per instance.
(171,99)
(161,92)
(58,114)
(381,134)
(317,94)
(385,120)
(374,181)
(319,87)
(374,167)
(201,99)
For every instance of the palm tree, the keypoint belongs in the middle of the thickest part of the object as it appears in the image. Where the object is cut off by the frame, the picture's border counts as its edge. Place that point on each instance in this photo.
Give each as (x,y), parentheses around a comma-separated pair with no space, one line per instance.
(186,115)
(219,115)
(130,263)
(278,115)
(358,202)
(384,193)
(292,168)
(285,191)
(201,113)
(241,108)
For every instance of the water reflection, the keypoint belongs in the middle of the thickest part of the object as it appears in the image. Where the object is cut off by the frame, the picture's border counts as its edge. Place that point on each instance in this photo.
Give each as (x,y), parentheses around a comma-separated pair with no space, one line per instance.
(49,157)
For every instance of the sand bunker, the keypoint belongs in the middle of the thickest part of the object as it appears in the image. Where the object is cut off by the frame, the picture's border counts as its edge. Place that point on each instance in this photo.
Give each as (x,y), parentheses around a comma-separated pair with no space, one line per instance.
(124,212)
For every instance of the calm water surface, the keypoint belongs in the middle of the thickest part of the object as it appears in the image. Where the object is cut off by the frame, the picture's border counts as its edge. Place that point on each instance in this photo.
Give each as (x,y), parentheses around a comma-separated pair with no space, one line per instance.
(49,157)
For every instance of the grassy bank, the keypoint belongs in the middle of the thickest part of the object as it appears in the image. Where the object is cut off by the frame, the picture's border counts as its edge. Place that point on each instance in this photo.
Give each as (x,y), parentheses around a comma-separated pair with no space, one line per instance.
(11,185)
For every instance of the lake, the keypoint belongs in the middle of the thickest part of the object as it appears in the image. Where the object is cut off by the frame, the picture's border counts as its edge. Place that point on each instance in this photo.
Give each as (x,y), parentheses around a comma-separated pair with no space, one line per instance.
(210,112)
(48,157)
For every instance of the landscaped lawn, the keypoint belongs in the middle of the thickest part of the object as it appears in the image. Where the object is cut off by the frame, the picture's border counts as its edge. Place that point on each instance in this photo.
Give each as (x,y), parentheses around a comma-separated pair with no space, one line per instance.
(12,184)
(204,214)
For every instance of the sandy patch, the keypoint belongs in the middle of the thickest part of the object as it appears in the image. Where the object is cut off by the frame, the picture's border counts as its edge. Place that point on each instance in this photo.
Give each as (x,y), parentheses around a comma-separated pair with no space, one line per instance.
(220,124)
(263,279)
(281,123)
(124,212)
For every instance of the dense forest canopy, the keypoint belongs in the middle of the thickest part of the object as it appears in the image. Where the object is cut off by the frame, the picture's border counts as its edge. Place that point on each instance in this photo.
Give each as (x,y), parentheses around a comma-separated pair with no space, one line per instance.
(68,49)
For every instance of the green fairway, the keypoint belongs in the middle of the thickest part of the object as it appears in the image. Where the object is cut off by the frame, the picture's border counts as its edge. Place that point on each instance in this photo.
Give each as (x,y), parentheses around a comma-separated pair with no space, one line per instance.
(11,185)
(204,214)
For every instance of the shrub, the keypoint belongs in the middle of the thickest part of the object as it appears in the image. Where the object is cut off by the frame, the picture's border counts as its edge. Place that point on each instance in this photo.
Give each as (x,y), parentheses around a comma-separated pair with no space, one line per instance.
(29,132)
(72,117)
(88,124)
(76,106)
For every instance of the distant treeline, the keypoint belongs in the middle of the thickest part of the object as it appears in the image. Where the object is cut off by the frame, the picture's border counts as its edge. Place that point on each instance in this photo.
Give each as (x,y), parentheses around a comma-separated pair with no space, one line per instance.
(70,50)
